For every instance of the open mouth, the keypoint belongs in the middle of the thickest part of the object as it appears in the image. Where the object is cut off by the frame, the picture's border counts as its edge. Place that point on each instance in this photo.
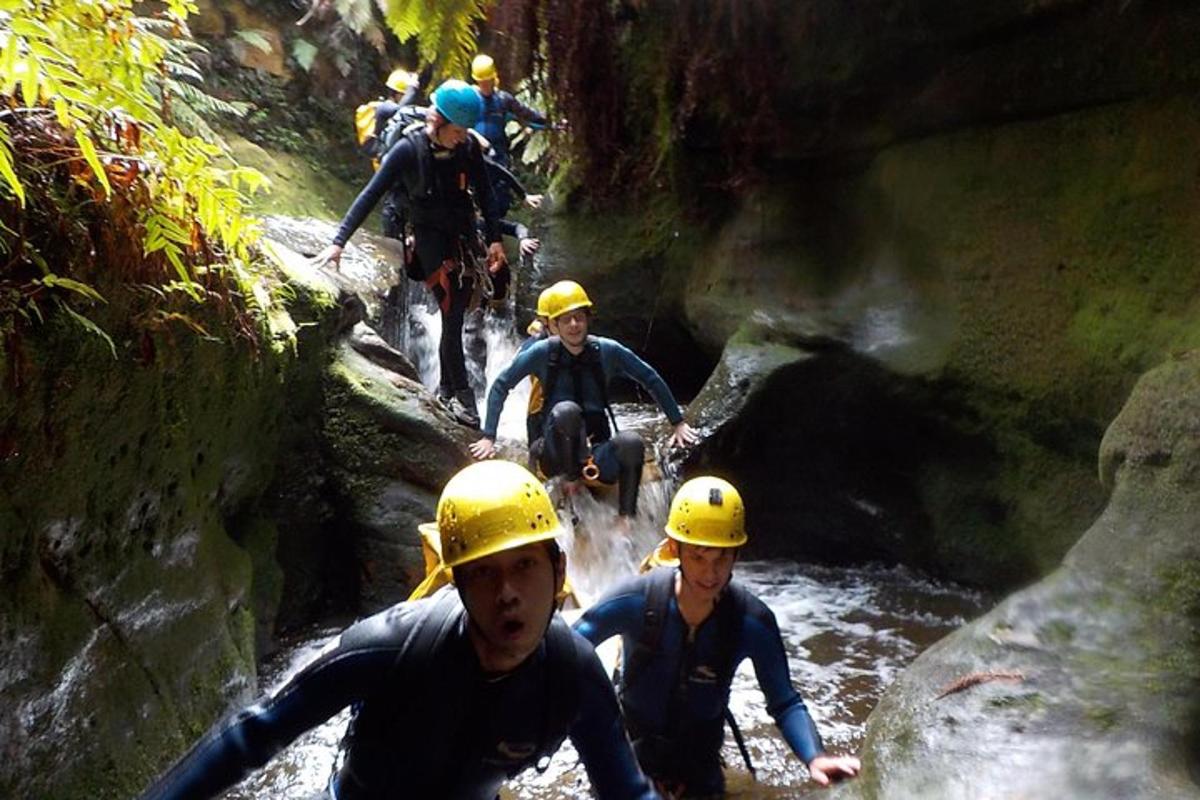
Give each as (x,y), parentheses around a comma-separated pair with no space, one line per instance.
(512,628)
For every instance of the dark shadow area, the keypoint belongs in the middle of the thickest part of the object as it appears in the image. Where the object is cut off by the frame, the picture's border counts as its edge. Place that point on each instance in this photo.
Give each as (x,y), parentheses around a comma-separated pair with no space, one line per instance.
(837,459)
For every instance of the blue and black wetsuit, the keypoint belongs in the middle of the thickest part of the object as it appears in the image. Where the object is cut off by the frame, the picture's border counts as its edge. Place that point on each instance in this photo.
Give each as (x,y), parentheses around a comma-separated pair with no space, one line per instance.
(575,409)
(674,698)
(435,182)
(498,108)
(427,721)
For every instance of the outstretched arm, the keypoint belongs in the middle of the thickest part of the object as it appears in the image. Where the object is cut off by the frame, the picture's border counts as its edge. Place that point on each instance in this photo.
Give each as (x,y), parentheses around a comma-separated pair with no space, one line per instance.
(246,741)
(526,114)
(627,363)
(765,647)
(390,171)
(527,362)
(617,613)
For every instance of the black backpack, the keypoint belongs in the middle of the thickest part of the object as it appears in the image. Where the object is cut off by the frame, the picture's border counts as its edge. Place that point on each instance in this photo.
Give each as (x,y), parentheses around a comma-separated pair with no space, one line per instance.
(398,124)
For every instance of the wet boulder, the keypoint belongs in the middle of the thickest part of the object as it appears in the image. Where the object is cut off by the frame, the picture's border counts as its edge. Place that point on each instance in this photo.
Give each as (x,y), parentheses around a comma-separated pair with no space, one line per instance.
(1086,684)
(391,448)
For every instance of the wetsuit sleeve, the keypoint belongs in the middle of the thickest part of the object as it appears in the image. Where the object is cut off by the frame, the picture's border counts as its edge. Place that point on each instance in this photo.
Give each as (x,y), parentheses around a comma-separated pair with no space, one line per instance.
(383,115)
(618,613)
(410,95)
(397,160)
(765,648)
(527,115)
(514,229)
(484,196)
(505,176)
(249,739)
(620,360)
(600,737)
(526,363)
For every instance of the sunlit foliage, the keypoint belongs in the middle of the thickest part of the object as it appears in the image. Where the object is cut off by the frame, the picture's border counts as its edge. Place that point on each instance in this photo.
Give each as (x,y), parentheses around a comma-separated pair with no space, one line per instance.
(94,97)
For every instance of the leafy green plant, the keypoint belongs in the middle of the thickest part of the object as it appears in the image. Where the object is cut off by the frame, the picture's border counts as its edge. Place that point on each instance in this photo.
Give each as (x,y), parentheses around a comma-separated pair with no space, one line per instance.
(444,30)
(255,38)
(305,53)
(94,94)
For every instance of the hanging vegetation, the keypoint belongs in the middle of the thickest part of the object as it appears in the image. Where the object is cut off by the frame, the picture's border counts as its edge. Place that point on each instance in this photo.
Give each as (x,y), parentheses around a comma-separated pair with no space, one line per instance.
(99,186)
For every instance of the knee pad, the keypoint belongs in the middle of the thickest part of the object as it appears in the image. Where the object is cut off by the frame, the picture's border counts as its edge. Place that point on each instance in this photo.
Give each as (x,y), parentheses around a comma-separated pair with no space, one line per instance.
(567,417)
(629,448)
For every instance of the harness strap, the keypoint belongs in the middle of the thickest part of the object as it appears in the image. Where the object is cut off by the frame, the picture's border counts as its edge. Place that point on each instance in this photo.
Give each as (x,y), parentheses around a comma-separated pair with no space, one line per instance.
(591,358)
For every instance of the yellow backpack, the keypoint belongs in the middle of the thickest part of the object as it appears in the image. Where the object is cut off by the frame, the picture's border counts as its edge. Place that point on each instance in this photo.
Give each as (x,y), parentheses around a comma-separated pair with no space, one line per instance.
(364,121)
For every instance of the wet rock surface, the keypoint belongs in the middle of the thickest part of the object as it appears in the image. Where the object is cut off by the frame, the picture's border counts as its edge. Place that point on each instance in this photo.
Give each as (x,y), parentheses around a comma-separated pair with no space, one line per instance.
(391,447)
(1106,649)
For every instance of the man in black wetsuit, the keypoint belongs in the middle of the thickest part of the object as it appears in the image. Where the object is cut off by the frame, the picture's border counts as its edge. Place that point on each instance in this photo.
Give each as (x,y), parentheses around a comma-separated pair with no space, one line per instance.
(438,167)
(451,695)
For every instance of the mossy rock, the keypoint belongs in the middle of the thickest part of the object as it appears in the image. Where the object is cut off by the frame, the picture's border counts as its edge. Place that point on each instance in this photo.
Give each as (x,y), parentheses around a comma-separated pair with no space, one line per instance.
(1099,662)
(391,448)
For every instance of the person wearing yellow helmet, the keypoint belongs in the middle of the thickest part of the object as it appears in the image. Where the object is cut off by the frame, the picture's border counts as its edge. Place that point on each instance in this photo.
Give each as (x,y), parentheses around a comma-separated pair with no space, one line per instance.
(499,107)
(454,694)
(371,119)
(684,630)
(579,431)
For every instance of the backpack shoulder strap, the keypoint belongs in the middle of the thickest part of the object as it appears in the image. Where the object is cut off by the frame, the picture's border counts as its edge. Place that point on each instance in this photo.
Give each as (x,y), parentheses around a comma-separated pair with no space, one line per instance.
(553,366)
(659,586)
(418,184)
(731,614)
(425,686)
(595,362)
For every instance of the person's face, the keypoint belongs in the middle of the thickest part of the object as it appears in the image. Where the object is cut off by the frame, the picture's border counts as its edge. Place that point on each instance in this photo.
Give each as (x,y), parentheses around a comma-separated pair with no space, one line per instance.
(571,327)
(486,87)
(509,597)
(449,135)
(706,570)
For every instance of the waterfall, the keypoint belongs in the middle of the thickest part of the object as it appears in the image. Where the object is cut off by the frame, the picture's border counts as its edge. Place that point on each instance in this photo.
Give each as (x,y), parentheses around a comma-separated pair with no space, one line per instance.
(599,549)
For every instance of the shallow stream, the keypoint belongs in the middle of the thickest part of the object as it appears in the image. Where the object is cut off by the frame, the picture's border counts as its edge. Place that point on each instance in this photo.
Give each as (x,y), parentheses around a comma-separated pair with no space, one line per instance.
(848,633)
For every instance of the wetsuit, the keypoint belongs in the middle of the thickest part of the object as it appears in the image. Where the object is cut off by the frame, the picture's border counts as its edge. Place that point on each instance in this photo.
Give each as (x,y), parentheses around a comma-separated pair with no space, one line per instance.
(436,182)
(498,108)
(576,424)
(429,724)
(675,703)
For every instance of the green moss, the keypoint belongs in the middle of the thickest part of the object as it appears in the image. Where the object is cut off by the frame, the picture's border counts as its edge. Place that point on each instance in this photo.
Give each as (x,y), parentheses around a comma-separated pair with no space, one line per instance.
(1070,244)
(122,553)
(1027,703)
(299,188)
(1057,633)
(1103,719)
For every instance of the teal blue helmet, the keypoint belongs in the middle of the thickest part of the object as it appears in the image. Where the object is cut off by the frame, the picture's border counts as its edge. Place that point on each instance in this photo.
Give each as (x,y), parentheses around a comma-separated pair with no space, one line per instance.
(458,102)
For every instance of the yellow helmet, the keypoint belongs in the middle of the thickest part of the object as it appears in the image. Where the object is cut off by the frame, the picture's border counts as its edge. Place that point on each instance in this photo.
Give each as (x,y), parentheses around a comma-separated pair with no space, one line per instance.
(708,512)
(545,301)
(483,68)
(489,507)
(401,79)
(565,296)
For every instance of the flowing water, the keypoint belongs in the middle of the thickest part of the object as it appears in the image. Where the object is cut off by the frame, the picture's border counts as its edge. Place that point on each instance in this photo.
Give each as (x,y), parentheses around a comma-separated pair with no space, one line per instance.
(848,632)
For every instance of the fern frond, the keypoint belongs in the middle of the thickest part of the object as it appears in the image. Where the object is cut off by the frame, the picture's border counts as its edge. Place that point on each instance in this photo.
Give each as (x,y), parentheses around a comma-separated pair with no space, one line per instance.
(355,13)
(445,31)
